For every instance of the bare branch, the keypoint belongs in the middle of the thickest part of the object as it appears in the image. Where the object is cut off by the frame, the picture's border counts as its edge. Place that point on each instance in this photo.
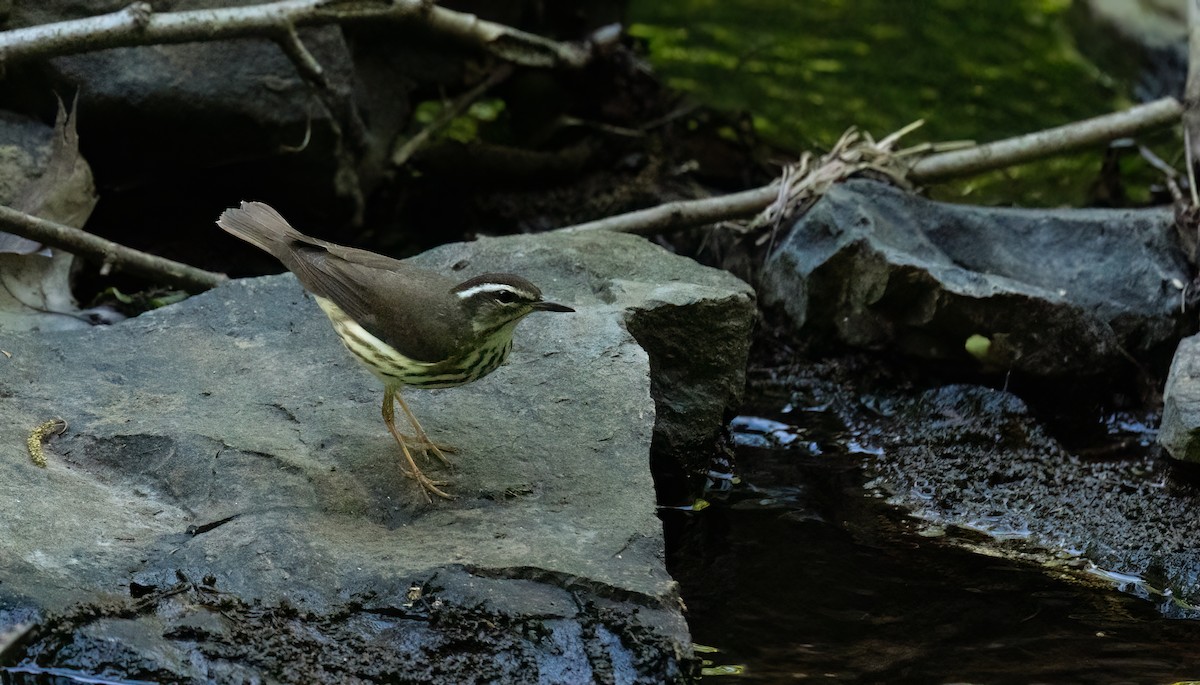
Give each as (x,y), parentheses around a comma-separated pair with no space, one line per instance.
(1191,95)
(405,150)
(138,24)
(107,252)
(1027,148)
(931,169)
(685,213)
(303,60)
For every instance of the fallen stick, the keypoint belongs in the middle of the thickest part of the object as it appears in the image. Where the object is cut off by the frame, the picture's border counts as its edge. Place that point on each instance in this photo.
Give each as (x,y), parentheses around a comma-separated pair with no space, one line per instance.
(1048,143)
(934,168)
(139,24)
(111,255)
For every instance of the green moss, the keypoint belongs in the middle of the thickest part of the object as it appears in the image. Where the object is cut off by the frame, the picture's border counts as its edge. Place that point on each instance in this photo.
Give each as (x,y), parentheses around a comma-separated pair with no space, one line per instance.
(973,70)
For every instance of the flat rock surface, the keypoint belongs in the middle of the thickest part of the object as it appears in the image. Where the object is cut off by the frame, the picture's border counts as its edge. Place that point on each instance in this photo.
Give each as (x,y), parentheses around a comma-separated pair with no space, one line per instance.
(231,443)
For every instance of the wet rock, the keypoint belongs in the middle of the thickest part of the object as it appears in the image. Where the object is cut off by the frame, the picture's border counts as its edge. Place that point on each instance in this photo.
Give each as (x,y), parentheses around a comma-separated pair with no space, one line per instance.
(1180,429)
(226,504)
(1054,292)
(970,458)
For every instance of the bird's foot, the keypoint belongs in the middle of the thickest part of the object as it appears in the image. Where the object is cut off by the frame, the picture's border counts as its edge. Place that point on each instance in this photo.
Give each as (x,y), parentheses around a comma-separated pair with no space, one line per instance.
(429,486)
(421,441)
(437,451)
(426,445)
(429,448)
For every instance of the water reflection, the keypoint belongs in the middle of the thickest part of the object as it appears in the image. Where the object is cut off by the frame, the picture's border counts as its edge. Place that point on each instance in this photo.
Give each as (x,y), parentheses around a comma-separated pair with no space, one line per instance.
(801,574)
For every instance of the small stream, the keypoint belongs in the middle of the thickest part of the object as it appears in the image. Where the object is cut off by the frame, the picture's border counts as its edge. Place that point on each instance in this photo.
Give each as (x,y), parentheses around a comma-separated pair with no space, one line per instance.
(824,582)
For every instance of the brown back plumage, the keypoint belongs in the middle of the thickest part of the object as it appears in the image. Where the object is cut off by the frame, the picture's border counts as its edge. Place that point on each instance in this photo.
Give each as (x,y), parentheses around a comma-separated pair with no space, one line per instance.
(431,326)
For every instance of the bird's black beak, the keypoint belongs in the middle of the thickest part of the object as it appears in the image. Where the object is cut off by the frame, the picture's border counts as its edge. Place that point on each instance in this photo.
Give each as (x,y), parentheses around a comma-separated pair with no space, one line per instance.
(551,307)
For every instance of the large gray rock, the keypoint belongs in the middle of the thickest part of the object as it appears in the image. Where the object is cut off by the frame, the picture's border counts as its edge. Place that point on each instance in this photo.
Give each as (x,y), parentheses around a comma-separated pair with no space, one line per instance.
(694,323)
(226,505)
(157,111)
(1056,292)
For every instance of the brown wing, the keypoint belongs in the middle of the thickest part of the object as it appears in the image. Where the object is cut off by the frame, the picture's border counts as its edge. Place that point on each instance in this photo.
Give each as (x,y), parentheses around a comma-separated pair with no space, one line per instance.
(409,308)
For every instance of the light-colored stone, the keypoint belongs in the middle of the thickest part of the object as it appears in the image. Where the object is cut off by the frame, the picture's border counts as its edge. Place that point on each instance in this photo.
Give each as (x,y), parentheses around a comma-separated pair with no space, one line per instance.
(1179,432)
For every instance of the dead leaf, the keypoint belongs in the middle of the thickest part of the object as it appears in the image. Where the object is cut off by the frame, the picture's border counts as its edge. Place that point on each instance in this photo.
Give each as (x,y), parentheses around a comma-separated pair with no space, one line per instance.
(35,284)
(65,192)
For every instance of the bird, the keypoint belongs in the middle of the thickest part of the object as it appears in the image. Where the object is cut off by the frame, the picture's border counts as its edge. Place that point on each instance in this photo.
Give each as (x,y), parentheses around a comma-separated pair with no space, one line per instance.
(411,327)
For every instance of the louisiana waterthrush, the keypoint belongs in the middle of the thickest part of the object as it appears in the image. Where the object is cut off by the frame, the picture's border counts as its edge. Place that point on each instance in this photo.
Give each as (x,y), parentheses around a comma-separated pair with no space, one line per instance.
(408,325)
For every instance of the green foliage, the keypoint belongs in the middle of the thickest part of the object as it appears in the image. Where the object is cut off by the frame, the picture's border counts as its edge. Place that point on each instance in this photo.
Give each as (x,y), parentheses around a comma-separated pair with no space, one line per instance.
(973,70)
(464,128)
(486,110)
(139,302)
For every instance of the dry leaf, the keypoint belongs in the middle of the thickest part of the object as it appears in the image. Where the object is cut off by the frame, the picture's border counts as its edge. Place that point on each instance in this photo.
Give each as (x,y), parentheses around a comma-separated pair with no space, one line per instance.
(35,288)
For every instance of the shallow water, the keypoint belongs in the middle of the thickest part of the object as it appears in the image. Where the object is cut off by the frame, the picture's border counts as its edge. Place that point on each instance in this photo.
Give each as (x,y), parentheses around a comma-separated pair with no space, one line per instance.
(825,582)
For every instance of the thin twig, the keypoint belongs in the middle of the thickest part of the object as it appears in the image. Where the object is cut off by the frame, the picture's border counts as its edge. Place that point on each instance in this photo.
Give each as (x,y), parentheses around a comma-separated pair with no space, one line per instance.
(406,149)
(684,213)
(1027,148)
(1191,96)
(932,169)
(107,252)
(306,64)
(138,24)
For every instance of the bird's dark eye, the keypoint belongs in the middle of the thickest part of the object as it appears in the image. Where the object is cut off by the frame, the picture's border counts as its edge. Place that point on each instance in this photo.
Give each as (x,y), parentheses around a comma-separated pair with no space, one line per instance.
(506,296)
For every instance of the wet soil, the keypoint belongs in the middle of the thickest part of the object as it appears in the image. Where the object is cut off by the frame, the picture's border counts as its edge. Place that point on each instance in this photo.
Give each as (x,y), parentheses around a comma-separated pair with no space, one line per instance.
(885,530)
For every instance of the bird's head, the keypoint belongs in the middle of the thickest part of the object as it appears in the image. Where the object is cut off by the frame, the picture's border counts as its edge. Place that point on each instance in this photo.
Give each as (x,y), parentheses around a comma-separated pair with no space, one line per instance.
(494,302)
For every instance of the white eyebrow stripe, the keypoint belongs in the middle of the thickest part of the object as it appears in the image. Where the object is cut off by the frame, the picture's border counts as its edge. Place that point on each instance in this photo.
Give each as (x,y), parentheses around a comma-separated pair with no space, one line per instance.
(493,288)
